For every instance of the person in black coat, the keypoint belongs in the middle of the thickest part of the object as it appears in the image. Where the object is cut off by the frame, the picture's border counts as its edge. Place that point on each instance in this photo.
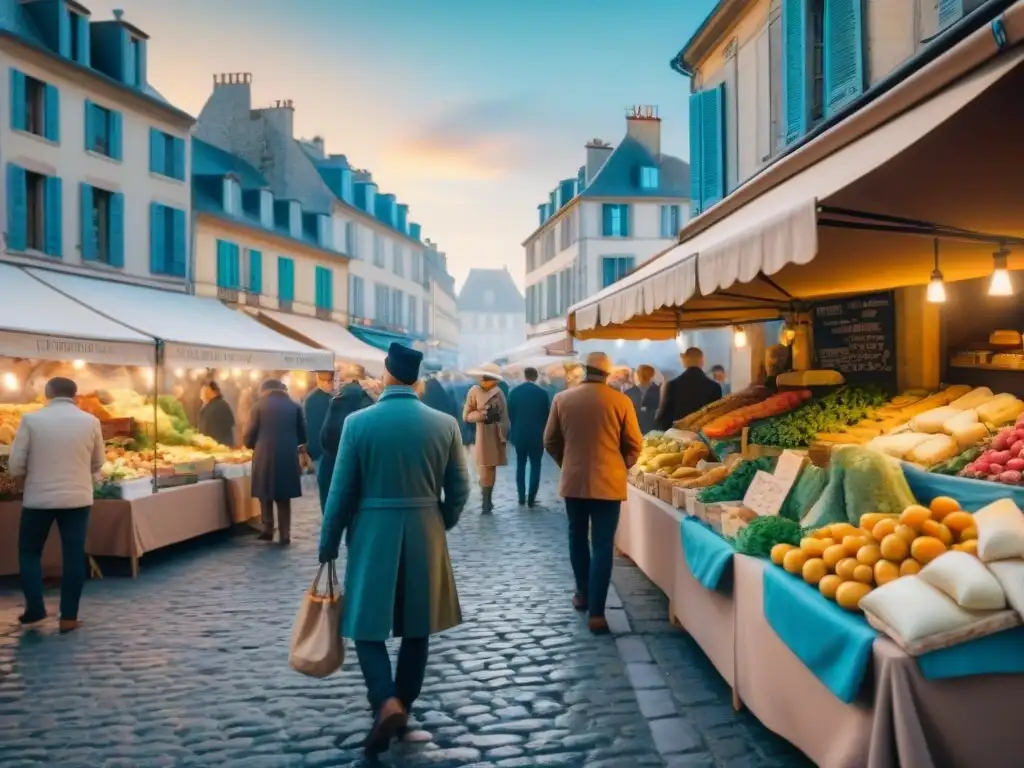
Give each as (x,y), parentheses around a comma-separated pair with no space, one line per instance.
(688,392)
(436,397)
(216,419)
(528,410)
(351,398)
(646,397)
(276,433)
(314,410)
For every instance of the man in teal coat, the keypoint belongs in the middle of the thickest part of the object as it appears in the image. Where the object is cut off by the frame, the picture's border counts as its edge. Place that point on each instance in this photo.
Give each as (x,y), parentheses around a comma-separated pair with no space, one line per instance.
(400,482)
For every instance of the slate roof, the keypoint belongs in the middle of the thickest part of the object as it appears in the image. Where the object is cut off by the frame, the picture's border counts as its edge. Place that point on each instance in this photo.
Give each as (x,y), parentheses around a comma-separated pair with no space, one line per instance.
(208,160)
(496,284)
(618,175)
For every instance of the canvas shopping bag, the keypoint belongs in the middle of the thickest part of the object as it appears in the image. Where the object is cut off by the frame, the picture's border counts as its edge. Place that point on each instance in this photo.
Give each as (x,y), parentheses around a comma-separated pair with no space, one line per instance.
(317,649)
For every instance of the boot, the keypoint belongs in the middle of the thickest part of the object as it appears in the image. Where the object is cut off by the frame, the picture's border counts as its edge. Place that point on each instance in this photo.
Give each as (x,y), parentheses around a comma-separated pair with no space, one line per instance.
(284,522)
(488,506)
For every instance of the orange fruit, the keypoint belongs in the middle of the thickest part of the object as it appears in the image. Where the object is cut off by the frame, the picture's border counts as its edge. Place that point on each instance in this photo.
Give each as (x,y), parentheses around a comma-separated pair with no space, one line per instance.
(845,568)
(938,530)
(794,560)
(854,543)
(915,516)
(870,519)
(906,533)
(926,548)
(869,554)
(828,585)
(865,574)
(894,548)
(958,522)
(882,529)
(968,534)
(833,555)
(814,570)
(909,567)
(823,533)
(842,530)
(779,551)
(813,547)
(970,547)
(886,572)
(942,506)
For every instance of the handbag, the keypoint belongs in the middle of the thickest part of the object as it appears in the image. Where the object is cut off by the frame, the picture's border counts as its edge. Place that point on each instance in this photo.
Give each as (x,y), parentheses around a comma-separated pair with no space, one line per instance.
(317,649)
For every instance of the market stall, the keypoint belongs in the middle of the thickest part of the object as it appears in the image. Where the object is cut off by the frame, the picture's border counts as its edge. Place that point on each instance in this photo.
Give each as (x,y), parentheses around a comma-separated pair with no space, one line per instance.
(553,343)
(326,335)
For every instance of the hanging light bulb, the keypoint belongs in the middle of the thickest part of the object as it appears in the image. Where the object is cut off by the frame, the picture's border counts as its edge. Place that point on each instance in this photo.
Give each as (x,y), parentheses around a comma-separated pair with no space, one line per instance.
(78,365)
(739,337)
(254,376)
(179,373)
(936,287)
(1001,284)
(11,383)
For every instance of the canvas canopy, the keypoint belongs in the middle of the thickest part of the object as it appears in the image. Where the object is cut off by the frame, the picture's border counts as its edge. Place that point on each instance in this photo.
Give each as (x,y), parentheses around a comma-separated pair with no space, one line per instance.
(329,336)
(554,342)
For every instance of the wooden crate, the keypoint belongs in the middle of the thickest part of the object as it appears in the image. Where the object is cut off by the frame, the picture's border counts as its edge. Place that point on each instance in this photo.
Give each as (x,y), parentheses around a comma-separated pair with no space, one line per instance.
(665,488)
(820,454)
(112,428)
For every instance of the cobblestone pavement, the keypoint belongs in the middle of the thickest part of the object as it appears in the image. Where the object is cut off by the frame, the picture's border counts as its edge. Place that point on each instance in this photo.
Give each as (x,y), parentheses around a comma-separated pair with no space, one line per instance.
(187,666)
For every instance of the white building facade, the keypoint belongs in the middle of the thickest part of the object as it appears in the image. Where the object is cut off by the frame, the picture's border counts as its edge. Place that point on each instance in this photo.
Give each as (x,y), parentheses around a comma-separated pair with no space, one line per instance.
(443,316)
(625,205)
(96,163)
(491,316)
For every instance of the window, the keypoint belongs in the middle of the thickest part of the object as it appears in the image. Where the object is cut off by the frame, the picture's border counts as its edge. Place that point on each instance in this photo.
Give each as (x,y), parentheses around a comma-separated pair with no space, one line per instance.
(488,298)
(551,291)
(563,293)
(324,231)
(615,220)
(255,282)
(356,299)
(35,106)
(549,245)
(166,155)
(531,256)
(778,133)
(563,233)
(707,148)
(285,279)
(670,223)
(397,308)
(398,259)
(817,24)
(416,265)
(167,240)
(412,315)
(102,226)
(34,211)
(267,208)
(381,304)
(613,268)
(324,288)
(102,130)
(378,250)
(352,239)
(648,177)
(134,66)
(229,274)
(426,318)
(232,193)
(79,50)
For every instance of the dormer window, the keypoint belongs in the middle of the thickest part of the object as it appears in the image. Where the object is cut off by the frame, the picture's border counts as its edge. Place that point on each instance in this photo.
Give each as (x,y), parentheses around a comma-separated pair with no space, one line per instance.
(78,34)
(648,177)
(295,218)
(135,62)
(323,231)
(232,196)
(267,208)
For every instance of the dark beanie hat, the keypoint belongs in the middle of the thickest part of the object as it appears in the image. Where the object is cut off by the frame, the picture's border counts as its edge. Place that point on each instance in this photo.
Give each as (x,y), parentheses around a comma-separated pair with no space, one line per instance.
(403,363)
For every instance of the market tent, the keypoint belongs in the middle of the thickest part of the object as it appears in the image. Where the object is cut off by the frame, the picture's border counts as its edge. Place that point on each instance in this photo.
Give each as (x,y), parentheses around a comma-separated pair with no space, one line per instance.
(540,362)
(330,336)
(553,342)
(195,331)
(842,224)
(38,322)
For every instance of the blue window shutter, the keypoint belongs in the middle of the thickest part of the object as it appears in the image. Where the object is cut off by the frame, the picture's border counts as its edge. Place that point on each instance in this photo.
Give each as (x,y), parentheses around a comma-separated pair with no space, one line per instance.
(950,11)
(608,268)
(179,243)
(17,208)
(54,218)
(64,30)
(157,239)
(51,114)
(19,117)
(115,136)
(84,48)
(88,225)
(236,266)
(794,68)
(90,131)
(695,152)
(222,267)
(178,170)
(157,161)
(606,220)
(255,272)
(844,53)
(141,65)
(117,230)
(712,140)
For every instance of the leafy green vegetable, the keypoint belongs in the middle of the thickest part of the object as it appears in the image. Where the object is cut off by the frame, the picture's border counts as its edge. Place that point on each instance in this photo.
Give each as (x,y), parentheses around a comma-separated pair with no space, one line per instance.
(957,463)
(174,409)
(763,533)
(736,484)
(797,429)
(805,492)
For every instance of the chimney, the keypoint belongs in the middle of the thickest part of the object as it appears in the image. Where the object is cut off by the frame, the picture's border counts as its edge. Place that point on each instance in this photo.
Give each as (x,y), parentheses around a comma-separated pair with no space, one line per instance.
(118,14)
(281,115)
(644,126)
(316,144)
(597,152)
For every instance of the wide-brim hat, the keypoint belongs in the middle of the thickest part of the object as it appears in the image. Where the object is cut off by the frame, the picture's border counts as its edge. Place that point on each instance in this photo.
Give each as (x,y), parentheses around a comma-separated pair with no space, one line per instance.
(485,372)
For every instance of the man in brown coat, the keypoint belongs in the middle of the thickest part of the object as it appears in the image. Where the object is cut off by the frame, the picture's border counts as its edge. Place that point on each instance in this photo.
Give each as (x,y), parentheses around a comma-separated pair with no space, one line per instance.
(593,435)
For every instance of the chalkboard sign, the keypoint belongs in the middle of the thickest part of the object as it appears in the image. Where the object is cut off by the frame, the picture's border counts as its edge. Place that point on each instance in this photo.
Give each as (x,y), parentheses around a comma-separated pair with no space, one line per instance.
(857,337)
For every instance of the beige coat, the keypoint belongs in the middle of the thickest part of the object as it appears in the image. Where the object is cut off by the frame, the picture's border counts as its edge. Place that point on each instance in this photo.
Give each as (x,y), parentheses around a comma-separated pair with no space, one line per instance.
(593,435)
(490,438)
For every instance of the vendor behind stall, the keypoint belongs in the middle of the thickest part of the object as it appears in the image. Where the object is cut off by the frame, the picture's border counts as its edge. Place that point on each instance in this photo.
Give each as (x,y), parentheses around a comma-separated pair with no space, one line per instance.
(216,419)
(688,392)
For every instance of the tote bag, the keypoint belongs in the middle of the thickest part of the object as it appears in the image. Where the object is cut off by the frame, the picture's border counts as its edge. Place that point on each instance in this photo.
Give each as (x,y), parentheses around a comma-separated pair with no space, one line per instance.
(317,649)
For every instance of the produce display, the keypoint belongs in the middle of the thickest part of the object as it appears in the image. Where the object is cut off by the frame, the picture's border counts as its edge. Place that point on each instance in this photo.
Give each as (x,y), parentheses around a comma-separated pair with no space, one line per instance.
(761,535)
(659,453)
(892,416)
(732,423)
(10,418)
(733,486)
(1003,461)
(846,561)
(829,414)
(696,420)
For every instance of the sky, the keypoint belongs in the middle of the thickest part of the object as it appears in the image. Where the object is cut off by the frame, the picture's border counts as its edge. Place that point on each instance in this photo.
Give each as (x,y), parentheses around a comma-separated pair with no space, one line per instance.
(470,112)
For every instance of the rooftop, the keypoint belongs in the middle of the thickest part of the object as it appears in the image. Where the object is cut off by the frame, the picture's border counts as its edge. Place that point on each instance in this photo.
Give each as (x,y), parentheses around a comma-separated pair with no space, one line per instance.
(490,290)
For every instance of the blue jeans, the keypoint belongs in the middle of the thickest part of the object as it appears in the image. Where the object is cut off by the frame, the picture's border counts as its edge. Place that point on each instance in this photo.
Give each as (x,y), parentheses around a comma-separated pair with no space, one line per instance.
(408,679)
(72,525)
(592,524)
(534,454)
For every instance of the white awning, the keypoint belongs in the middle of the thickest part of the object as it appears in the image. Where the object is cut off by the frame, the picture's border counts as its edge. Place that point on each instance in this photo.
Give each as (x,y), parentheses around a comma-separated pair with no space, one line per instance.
(540,362)
(553,342)
(196,332)
(778,232)
(39,323)
(331,336)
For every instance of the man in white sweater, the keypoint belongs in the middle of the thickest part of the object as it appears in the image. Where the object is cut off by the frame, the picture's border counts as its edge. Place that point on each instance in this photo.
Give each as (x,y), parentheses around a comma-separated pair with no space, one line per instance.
(59,450)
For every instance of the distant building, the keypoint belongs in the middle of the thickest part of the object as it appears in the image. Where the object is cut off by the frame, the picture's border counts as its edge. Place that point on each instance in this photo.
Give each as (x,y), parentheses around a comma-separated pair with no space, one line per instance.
(442,318)
(95,161)
(625,205)
(491,315)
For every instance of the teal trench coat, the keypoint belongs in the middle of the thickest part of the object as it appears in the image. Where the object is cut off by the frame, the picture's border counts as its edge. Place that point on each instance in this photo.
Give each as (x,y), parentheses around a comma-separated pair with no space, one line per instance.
(400,482)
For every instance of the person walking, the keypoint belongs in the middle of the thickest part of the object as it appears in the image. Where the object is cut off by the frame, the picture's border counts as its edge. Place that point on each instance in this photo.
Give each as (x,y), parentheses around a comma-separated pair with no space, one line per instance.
(59,451)
(315,405)
(351,398)
(435,395)
(688,392)
(398,573)
(528,409)
(719,375)
(593,436)
(276,434)
(216,419)
(645,396)
(487,409)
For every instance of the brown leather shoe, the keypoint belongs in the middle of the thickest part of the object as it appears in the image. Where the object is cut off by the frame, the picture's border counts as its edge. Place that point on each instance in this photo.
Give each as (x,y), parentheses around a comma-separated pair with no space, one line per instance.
(598,625)
(391,719)
(69,625)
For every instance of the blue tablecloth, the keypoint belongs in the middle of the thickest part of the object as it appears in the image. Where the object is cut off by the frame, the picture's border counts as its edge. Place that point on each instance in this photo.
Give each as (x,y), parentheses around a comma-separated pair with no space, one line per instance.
(831,642)
(706,553)
(972,494)
(998,654)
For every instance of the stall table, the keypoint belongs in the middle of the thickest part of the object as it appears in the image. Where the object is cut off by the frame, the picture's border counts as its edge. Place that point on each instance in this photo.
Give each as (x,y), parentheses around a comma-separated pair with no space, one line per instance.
(242,507)
(648,534)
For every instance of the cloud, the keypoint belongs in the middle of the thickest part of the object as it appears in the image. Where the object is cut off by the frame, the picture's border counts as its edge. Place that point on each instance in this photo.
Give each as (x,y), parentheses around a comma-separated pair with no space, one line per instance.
(474,140)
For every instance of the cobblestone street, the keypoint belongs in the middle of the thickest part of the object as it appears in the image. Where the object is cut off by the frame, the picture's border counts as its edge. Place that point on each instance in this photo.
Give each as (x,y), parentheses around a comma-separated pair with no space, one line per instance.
(187,666)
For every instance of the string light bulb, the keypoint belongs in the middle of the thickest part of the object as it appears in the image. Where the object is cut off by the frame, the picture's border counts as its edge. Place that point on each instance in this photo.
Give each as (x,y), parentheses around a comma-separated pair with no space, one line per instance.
(11,383)
(179,373)
(78,365)
(936,287)
(1000,284)
(739,337)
